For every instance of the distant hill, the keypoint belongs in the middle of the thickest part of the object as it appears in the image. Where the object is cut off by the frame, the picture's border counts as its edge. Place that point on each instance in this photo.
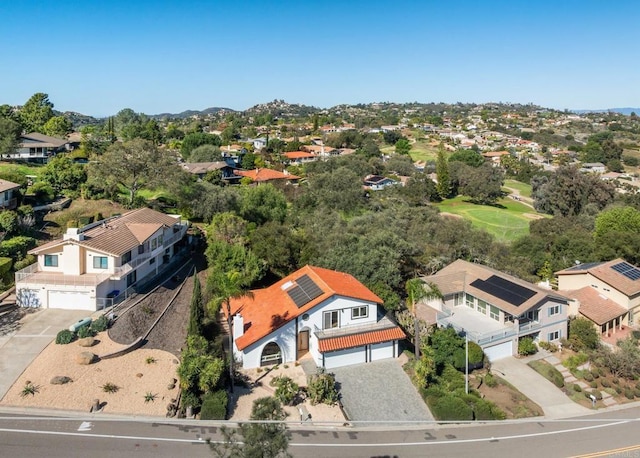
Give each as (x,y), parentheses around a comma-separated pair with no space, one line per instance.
(77,119)
(189,113)
(279,108)
(625,111)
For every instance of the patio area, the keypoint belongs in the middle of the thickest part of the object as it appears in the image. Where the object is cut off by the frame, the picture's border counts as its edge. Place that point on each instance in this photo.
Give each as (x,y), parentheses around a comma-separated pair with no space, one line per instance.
(614,335)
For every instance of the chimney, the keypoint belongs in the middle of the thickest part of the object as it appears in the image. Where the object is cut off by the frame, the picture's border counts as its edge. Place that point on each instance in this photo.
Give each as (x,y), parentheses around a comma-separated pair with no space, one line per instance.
(73,233)
(238,326)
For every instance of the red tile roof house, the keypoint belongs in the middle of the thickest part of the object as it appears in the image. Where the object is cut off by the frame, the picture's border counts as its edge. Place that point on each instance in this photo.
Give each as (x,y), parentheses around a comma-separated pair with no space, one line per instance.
(91,267)
(314,312)
(607,293)
(495,309)
(300,157)
(265,175)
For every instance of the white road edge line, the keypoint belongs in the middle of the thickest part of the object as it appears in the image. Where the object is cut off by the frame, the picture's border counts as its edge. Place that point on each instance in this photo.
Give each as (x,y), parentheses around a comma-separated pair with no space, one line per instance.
(389,444)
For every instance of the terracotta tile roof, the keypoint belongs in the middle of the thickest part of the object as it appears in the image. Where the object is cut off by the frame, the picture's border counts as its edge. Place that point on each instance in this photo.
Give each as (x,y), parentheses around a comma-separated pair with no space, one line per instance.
(269,308)
(120,234)
(261,175)
(495,153)
(603,271)
(458,276)
(595,306)
(298,155)
(358,340)
(7,185)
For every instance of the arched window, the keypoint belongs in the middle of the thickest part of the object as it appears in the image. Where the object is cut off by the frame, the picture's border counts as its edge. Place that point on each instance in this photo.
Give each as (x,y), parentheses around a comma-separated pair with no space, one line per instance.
(271,354)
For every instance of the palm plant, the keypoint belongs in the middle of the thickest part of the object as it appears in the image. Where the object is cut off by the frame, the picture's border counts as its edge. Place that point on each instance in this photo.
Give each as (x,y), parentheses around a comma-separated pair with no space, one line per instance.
(418,290)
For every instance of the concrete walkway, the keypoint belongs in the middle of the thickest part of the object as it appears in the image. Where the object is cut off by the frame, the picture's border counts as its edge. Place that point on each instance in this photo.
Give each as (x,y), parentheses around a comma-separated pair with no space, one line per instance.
(18,349)
(549,397)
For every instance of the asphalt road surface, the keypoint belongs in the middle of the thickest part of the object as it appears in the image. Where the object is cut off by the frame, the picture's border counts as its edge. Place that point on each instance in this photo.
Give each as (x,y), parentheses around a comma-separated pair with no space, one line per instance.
(614,433)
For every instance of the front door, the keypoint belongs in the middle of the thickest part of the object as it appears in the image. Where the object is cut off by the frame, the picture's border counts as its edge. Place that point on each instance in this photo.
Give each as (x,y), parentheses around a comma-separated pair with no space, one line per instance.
(303,343)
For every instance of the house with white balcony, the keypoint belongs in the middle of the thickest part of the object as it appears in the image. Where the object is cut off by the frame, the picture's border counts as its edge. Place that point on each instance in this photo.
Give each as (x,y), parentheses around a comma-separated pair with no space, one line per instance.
(313,313)
(494,309)
(37,147)
(93,267)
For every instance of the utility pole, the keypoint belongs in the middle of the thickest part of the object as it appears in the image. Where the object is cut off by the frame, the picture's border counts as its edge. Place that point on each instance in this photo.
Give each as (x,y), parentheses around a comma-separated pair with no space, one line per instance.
(466,361)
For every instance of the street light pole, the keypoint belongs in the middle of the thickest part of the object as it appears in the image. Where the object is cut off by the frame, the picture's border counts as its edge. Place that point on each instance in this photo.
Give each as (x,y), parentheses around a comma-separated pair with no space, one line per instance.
(466,361)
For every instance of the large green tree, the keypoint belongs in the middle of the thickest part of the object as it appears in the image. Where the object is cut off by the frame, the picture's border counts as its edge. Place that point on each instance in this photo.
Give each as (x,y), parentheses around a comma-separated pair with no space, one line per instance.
(9,135)
(135,165)
(57,126)
(442,172)
(36,112)
(63,174)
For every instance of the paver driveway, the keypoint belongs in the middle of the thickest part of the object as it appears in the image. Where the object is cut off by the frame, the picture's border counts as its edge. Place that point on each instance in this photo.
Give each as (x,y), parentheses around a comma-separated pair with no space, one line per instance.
(380,392)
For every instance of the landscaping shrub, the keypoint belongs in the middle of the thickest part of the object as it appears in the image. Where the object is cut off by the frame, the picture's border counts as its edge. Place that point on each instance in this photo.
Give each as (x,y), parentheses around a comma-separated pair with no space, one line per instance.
(487,410)
(451,379)
(593,384)
(605,382)
(636,393)
(16,247)
(573,361)
(450,408)
(85,331)
(189,398)
(595,393)
(286,389)
(595,372)
(214,406)
(490,381)
(100,324)
(549,346)
(24,262)
(549,372)
(322,389)
(582,335)
(527,347)
(615,381)
(588,377)
(618,389)
(628,393)
(476,357)
(577,388)
(65,337)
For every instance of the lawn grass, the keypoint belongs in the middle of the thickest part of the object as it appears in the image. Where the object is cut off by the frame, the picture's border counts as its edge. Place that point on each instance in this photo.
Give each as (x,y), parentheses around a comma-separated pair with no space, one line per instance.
(507,221)
(523,188)
(21,168)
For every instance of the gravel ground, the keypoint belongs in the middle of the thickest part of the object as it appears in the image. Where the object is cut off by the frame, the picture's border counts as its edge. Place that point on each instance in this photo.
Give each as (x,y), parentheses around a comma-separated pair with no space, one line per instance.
(171,331)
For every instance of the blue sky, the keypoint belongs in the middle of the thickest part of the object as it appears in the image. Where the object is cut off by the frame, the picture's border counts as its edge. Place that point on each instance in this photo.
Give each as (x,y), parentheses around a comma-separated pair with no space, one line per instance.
(97,57)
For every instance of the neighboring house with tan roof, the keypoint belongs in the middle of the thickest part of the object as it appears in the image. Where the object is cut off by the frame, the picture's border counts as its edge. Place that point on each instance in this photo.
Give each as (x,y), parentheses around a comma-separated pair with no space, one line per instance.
(607,316)
(494,309)
(263,175)
(314,312)
(38,147)
(8,195)
(616,280)
(495,157)
(92,267)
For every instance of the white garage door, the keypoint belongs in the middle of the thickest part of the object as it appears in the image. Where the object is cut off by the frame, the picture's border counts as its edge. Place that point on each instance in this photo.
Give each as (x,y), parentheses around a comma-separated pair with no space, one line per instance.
(382,350)
(71,300)
(499,351)
(344,357)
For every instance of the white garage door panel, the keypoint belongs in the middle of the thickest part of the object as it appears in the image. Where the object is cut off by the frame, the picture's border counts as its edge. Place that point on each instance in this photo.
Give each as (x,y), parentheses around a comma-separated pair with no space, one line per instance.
(344,357)
(381,351)
(71,300)
(499,351)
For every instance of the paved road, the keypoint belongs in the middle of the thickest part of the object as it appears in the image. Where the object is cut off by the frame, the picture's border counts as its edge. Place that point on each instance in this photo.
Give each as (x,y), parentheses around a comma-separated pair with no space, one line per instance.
(32,437)
(549,397)
(37,330)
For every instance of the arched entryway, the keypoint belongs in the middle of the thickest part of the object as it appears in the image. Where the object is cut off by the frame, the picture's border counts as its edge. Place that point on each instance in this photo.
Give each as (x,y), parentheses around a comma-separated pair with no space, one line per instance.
(271,354)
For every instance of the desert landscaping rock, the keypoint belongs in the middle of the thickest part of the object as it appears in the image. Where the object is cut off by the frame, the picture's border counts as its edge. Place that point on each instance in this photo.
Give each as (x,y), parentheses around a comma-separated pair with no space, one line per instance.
(87,342)
(60,380)
(85,358)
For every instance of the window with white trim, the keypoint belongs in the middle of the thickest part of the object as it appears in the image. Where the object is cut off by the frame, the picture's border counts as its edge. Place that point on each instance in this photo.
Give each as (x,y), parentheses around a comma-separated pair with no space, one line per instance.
(331,319)
(51,260)
(154,244)
(482,306)
(555,310)
(555,335)
(494,312)
(359,312)
(100,262)
(470,301)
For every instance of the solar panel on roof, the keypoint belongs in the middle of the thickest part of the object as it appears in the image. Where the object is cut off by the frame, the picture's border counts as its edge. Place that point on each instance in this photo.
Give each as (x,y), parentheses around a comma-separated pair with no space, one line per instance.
(504,289)
(304,292)
(626,269)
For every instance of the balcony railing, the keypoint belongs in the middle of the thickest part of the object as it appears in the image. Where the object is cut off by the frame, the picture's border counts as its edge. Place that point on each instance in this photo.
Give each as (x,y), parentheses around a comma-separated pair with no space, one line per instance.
(31,274)
(121,271)
(383,323)
(177,236)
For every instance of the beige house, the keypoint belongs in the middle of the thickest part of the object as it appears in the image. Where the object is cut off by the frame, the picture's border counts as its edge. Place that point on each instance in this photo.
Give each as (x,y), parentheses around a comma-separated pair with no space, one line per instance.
(494,309)
(8,193)
(95,266)
(617,292)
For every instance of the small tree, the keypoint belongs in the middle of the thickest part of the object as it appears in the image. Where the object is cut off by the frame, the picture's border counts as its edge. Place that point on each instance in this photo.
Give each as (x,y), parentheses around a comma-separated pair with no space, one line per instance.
(197,311)
(322,388)
(582,335)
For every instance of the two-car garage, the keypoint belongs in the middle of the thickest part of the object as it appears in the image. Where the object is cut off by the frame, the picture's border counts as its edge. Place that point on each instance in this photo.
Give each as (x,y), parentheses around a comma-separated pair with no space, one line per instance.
(499,351)
(71,300)
(362,354)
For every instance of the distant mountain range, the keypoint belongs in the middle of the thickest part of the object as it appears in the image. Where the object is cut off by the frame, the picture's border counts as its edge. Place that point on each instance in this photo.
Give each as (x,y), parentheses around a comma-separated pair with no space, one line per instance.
(625,111)
(189,113)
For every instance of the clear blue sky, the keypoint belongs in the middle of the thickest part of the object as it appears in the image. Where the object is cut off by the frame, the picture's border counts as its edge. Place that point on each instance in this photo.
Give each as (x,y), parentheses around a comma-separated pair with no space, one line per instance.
(97,57)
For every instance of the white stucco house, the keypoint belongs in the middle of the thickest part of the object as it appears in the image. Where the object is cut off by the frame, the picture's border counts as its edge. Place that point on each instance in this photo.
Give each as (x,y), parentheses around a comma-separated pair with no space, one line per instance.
(91,267)
(494,309)
(314,312)
(38,147)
